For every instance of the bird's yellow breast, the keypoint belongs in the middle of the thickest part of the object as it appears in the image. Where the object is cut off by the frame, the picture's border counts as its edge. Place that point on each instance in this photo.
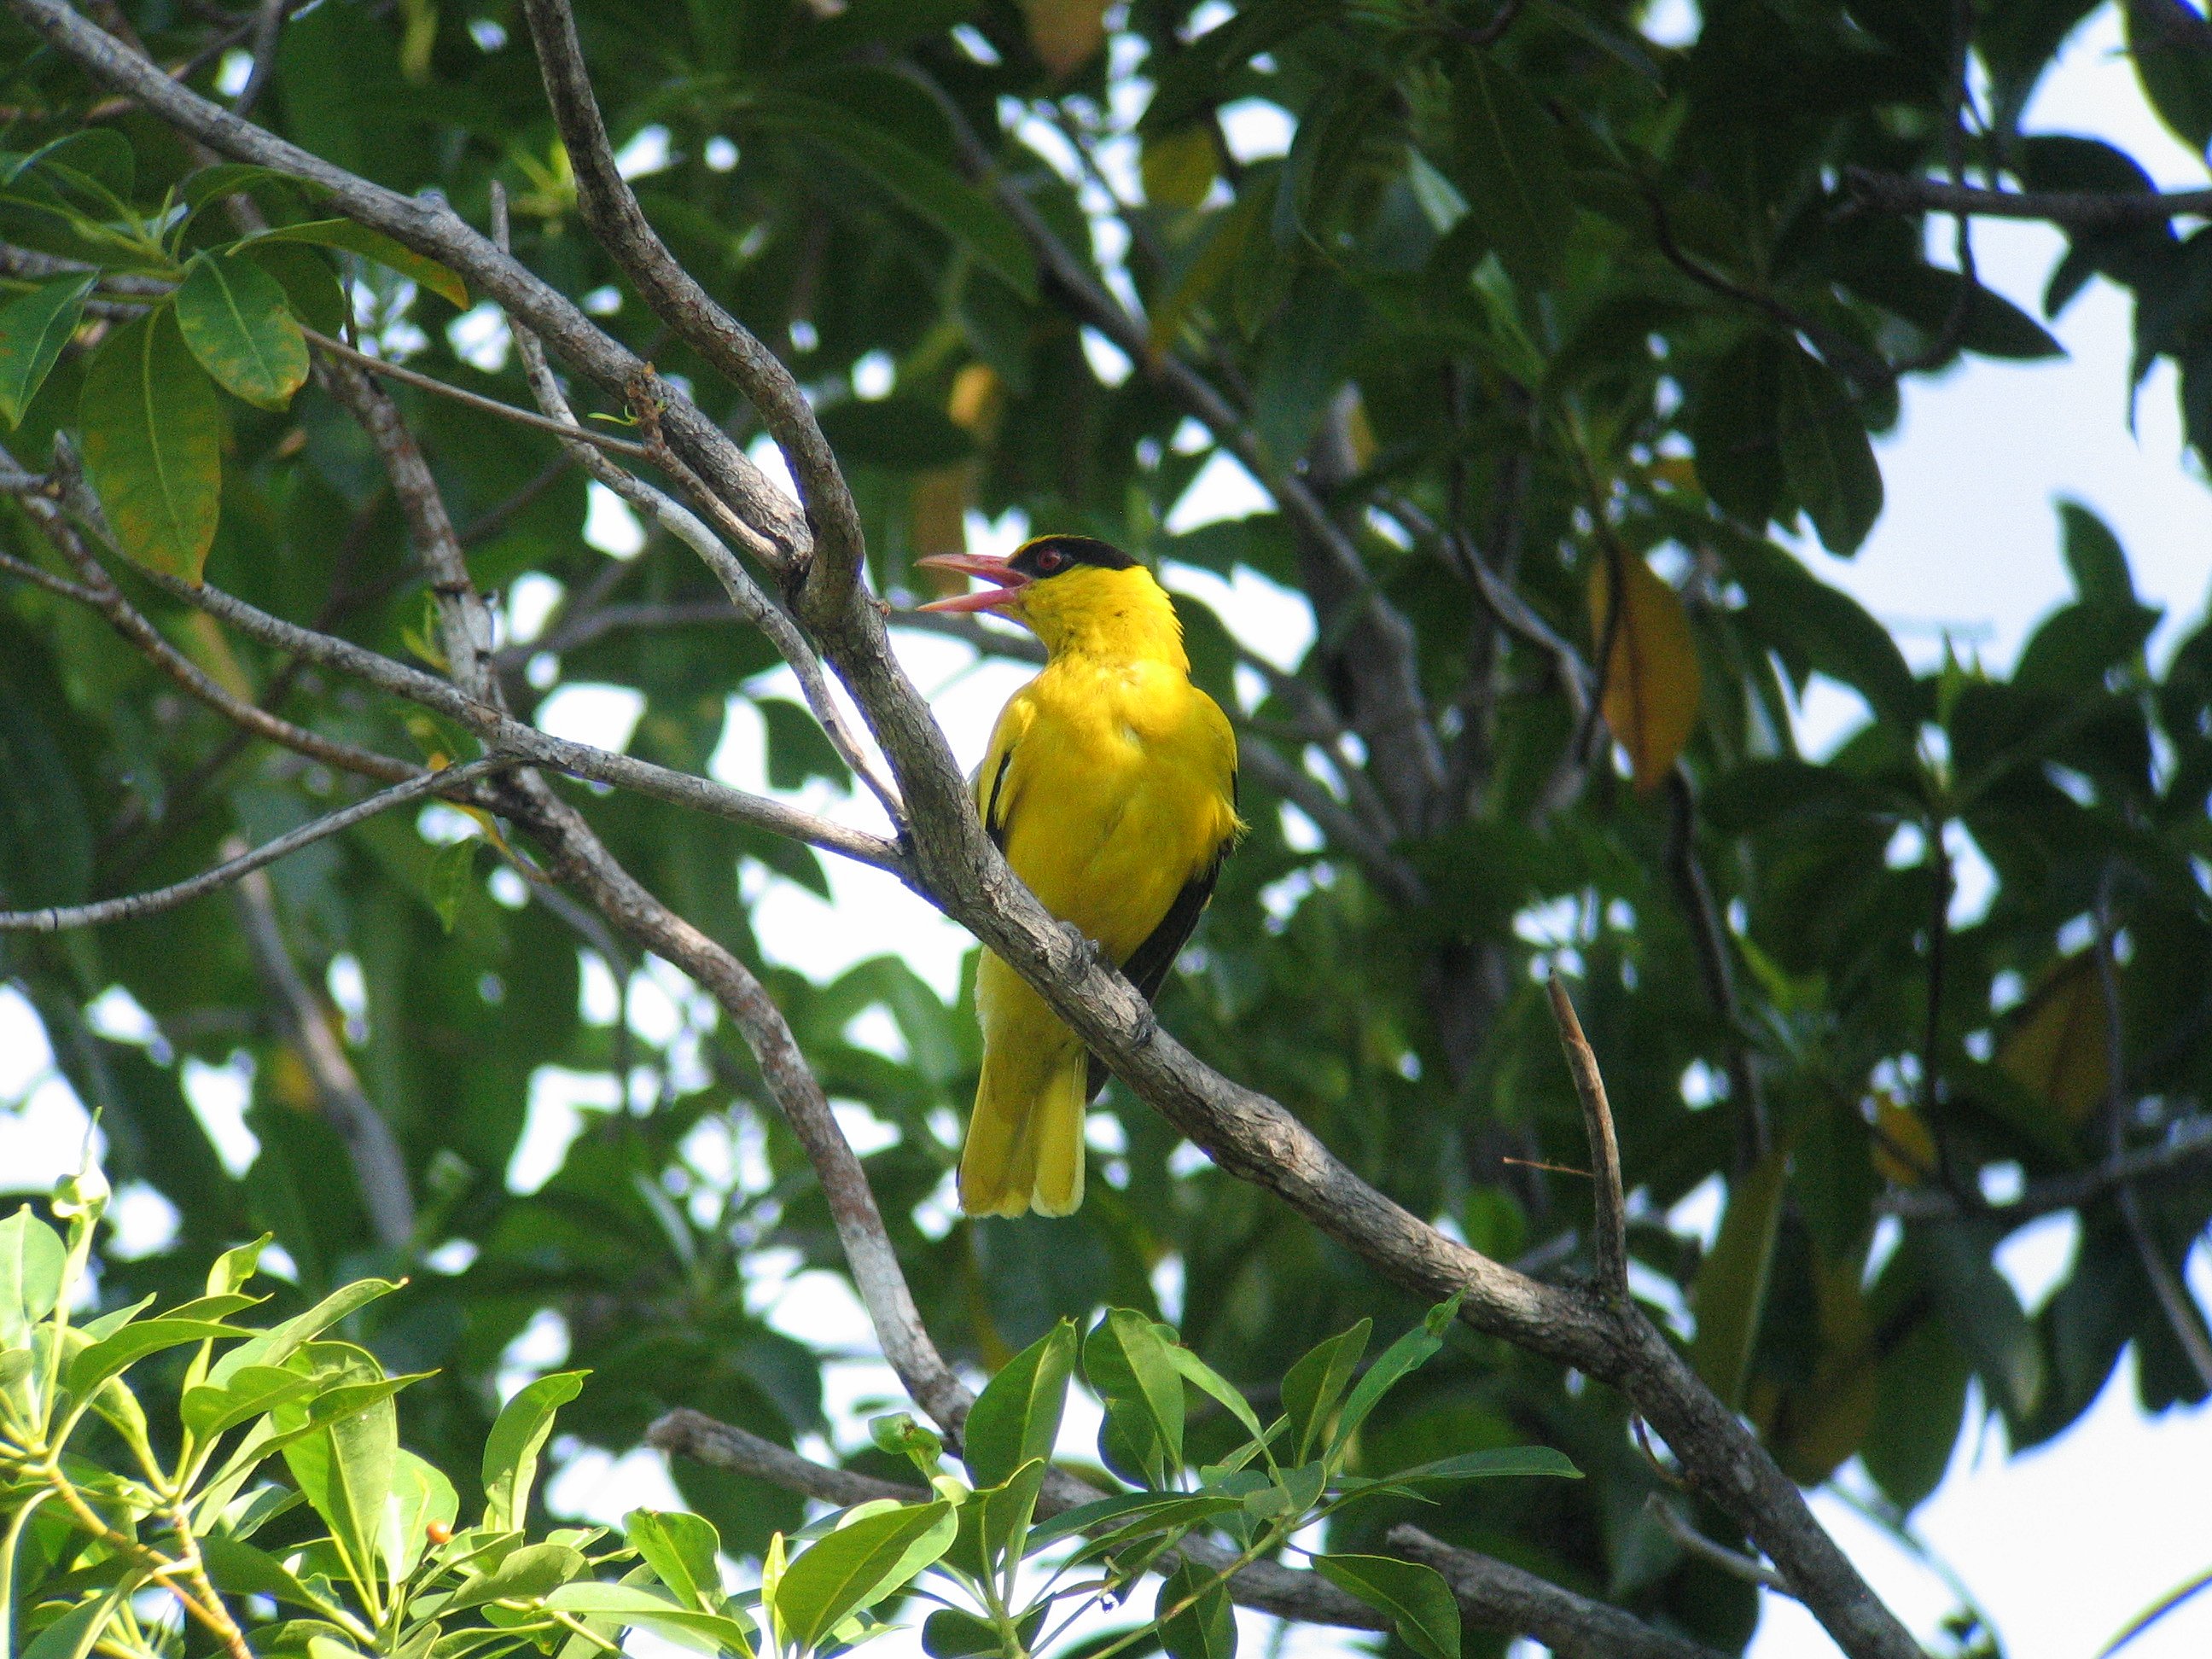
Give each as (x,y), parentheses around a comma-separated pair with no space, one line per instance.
(1116,793)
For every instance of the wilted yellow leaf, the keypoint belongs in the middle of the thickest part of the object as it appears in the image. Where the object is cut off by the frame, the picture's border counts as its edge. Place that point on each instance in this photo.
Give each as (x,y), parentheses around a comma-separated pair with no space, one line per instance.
(937,517)
(1651,679)
(2056,1047)
(976,399)
(1903,1149)
(1065,34)
(1813,1427)
(1179,168)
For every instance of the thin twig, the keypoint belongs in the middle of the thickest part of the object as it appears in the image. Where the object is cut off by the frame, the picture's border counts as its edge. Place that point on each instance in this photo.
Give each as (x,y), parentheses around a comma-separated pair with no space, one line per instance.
(391,371)
(380,1169)
(2077,210)
(1735,1562)
(2188,1145)
(2183,1317)
(1610,1240)
(54,919)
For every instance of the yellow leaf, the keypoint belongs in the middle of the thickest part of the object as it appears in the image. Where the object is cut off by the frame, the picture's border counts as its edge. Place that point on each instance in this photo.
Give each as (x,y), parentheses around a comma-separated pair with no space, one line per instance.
(976,400)
(1065,34)
(1179,168)
(2056,1049)
(290,1081)
(1903,1149)
(206,644)
(937,515)
(1814,1426)
(1651,679)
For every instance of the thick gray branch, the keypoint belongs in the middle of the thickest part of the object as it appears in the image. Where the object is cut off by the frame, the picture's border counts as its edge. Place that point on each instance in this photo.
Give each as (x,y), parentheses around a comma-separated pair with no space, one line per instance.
(2074,210)
(1497,1596)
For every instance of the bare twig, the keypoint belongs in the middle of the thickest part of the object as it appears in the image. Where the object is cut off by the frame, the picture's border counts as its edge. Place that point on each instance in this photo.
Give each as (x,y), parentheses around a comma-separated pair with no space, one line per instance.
(2077,210)
(54,919)
(745,594)
(268,22)
(2187,1144)
(1733,1563)
(2183,1317)
(1610,1234)
(378,1167)
(405,376)
(99,590)
(502,732)
(611,210)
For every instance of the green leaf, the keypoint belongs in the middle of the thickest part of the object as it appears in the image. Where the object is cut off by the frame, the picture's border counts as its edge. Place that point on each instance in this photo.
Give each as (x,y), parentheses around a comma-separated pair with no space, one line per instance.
(856,1566)
(2095,560)
(1207,1381)
(1487,1465)
(344,233)
(1129,1368)
(930,189)
(1416,1600)
(153,443)
(1001,1515)
(1512,168)
(311,286)
(346,1470)
(104,1359)
(909,434)
(680,1547)
(1207,1629)
(31,1262)
(1017,1417)
(1825,453)
(949,1633)
(1735,421)
(526,1574)
(510,1457)
(421,1498)
(1135,1515)
(240,1569)
(638,1607)
(280,1344)
(1313,1386)
(72,1635)
(235,319)
(1731,1287)
(1408,1354)
(33,329)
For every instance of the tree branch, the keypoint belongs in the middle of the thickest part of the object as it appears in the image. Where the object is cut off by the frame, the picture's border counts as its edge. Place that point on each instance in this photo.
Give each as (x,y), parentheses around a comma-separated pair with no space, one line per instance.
(571,432)
(2077,210)
(430,227)
(1610,1240)
(380,1169)
(1496,1596)
(98,589)
(1733,1563)
(507,734)
(452,781)
(2187,1144)
(610,209)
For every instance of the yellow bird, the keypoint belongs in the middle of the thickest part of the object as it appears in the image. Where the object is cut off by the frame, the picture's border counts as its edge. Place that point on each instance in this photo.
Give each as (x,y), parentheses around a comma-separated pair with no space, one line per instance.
(1110,786)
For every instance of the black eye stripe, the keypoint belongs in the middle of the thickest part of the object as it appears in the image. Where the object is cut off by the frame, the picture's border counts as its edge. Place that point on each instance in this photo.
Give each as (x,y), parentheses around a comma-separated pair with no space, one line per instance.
(1047,556)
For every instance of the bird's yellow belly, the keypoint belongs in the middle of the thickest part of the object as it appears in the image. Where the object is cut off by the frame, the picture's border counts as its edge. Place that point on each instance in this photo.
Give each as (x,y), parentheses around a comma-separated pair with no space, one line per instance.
(1124,822)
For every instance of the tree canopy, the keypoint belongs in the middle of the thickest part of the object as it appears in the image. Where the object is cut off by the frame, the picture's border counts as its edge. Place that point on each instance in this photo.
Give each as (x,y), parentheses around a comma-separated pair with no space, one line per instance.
(1545,341)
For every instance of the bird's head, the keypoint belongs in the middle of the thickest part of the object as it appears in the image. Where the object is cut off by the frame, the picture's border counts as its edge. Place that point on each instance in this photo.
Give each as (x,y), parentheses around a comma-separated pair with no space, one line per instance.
(1061,587)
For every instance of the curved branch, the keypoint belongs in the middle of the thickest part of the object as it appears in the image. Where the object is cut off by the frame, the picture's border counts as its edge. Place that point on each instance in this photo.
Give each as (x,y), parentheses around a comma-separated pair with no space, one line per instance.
(610,209)
(2073,209)
(54,920)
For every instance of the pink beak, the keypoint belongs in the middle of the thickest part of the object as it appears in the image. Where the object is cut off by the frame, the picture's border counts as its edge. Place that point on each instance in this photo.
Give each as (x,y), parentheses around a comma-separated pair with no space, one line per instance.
(1005,593)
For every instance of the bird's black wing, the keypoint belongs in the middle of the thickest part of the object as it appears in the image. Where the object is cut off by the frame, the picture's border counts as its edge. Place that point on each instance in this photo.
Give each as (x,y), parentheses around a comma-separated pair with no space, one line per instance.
(994,826)
(1148,964)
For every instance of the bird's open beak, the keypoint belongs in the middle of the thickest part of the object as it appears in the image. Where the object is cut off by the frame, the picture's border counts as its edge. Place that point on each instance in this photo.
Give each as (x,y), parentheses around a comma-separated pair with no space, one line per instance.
(1005,591)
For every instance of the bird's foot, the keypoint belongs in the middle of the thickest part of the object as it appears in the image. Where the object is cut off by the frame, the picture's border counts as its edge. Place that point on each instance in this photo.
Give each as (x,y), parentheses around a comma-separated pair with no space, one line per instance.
(1087,949)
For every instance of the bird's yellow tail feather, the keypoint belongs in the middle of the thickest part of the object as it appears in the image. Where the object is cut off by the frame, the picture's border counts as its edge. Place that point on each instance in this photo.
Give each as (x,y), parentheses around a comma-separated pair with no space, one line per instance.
(1025,1148)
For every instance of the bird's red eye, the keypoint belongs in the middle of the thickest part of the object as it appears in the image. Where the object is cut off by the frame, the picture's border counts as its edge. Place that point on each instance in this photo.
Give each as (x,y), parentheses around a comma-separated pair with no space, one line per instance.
(1049,560)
